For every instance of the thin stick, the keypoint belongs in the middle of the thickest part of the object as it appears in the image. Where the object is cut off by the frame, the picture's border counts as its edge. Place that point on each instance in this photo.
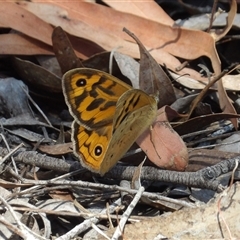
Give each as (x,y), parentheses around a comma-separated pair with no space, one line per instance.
(127,214)
(38,108)
(87,223)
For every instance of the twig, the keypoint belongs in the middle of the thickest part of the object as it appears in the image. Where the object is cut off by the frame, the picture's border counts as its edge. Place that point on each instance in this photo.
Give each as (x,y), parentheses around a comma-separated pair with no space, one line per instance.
(86,224)
(108,187)
(127,213)
(233,172)
(97,229)
(11,227)
(205,178)
(10,153)
(37,107)
(77,214)
(220,213)
(214,7)
(26,232)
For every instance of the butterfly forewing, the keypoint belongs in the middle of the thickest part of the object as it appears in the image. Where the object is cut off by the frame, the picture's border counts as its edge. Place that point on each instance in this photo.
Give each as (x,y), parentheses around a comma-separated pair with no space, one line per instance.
(92,95)
(129,122)
(125,135)
(131,101)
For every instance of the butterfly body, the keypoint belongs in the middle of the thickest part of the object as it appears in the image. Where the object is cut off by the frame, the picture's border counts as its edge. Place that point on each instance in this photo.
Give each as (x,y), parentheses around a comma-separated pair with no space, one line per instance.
(108,116)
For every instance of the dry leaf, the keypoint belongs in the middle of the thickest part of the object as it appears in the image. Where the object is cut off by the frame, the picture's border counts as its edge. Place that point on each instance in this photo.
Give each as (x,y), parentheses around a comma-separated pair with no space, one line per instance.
(152,79)
(37,76)
(13,43)
(109,34)
(197,123)
(56,150)
(163,146)
(25,22)
(147,9)
(129,67)
(64,52)
(217,35)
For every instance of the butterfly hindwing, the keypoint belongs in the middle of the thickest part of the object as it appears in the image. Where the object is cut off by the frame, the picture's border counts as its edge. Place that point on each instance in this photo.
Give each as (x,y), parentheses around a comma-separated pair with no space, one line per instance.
(90,145)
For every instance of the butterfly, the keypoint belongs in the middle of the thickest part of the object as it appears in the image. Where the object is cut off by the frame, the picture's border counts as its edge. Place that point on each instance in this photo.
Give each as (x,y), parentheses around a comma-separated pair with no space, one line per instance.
(109,115)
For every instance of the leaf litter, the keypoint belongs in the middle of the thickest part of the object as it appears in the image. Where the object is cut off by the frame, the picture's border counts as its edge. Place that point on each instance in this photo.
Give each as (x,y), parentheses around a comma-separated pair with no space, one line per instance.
(195,140)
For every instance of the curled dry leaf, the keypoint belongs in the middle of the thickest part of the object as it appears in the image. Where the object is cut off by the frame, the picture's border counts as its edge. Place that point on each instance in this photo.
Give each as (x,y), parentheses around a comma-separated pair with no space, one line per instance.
(224,100)
(217,35)
(152,78)
(163,146)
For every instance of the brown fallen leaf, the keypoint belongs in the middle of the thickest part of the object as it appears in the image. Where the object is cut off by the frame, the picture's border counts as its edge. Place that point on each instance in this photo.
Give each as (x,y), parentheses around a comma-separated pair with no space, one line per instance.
(63,194)
(16,44)
(109,33)
(64,52)
(25,22)
(149,10)
(61,17)
(55,150)
(224,100)
(163,146)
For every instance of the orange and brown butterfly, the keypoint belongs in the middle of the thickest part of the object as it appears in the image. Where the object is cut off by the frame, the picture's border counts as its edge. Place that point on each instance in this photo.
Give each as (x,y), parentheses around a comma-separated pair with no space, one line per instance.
(108,116)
